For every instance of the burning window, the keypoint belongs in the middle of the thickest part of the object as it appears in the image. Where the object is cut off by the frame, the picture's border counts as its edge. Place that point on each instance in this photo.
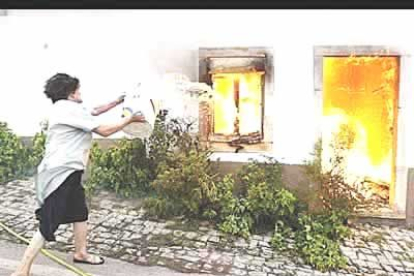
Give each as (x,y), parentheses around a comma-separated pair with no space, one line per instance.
(234,119)
(237,104)
(360,98)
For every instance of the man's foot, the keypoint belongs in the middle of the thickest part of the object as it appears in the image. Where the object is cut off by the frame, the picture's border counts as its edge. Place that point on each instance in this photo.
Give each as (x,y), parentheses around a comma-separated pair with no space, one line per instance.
(88,259)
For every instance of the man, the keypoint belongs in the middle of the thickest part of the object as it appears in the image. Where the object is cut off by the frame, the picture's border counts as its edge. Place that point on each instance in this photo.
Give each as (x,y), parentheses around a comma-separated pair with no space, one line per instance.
(59,192)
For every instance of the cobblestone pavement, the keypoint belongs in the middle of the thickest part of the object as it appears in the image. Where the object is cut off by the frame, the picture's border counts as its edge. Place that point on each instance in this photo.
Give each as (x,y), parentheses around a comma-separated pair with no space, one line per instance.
(122,232)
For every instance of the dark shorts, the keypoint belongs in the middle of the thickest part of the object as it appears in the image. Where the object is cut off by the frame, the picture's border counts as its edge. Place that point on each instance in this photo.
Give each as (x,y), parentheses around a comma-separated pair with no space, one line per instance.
(67,204)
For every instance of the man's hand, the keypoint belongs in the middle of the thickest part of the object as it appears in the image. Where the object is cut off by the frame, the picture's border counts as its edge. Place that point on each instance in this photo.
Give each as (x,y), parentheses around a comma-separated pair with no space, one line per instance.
(137,119)
(121,98)
(104,108)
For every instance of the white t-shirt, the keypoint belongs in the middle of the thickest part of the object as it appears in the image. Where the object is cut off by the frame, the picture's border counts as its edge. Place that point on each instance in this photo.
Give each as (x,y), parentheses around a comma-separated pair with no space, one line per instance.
(69,139)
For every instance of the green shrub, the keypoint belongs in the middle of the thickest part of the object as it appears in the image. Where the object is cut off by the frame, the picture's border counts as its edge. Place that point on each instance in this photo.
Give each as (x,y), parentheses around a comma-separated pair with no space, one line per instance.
(253,200)
(186,182)
(13,155)
(318,231)
(318,240)
(223,199)
(281,234)
(123,168)
(96,171)
(236,219)
(268,201)
(162,207)
(256,172)
(16,159)
(36,151)
(160,143)
(183,173)
(332,190)
(267,204)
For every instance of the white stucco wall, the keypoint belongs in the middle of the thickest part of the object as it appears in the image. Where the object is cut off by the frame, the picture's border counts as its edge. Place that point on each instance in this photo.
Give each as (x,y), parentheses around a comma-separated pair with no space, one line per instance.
(108,50)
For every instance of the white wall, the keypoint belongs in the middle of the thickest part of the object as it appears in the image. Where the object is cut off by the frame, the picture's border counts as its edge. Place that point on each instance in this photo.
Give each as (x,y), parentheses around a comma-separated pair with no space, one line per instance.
(109,50)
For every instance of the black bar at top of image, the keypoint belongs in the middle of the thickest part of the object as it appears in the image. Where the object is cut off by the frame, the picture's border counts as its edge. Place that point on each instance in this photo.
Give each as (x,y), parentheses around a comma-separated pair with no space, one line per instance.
(208,4)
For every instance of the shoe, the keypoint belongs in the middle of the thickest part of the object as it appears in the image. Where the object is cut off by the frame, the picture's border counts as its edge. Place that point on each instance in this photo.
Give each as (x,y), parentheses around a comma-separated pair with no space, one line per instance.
(101,261)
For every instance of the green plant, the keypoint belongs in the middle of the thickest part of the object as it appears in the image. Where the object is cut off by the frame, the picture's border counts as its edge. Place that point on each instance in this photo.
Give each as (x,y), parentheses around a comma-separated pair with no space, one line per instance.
(253,200)
(320,229)
(236,219)
(183,171)
(95,170)
(281,233)
(186,181)
(161,207)
(318,238)
(267,204)
(223,199)
(13,155)
(255,171)
(160,143)
(123,168)
(331,187)
(313,166)
(37,150)
(267,199)
(229,211)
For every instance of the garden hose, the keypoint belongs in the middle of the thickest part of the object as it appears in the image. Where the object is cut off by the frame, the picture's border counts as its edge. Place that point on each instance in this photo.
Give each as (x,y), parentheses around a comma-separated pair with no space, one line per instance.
(47,253)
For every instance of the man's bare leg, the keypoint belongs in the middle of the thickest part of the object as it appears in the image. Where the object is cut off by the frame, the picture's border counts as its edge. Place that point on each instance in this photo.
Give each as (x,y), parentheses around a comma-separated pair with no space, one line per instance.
(80,231)
(30,254)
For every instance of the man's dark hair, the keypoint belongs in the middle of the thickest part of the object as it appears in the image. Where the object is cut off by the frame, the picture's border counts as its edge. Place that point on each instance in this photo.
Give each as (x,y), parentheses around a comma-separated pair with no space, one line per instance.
(60,86)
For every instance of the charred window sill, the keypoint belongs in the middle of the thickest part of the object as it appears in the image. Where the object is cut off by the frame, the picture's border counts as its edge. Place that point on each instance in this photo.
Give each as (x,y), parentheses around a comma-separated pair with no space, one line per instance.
(262,147)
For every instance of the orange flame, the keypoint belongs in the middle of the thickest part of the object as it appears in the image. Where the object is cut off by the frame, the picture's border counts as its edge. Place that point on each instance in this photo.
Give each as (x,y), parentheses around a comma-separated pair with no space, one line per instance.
(362,93)
(237,98)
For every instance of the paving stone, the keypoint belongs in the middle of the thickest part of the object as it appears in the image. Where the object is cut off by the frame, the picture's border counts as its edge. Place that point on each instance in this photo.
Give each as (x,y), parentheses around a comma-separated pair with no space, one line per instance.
(203,229)
(371,258)
(118,230)
(191,235)
(264,244)
(219,269)
(203,238)
(266,269)
(239,265)
(190,258)
(373,265)
(214,239)
(257,261)
(274,264)
(303,273)
(254,268)
(199,244)
(241,243)
(256,273)
(238,272)
(279,271)
(253,243)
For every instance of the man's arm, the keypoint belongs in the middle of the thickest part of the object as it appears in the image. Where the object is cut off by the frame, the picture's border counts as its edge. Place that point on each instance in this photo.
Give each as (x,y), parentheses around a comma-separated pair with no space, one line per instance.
(107,130)
(104,108)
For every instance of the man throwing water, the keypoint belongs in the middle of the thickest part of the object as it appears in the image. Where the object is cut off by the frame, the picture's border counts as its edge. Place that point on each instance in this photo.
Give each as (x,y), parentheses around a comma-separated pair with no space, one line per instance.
(59,191)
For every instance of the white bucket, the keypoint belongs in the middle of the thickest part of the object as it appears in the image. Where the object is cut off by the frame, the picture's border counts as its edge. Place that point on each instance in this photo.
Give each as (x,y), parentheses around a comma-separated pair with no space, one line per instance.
(139,103)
